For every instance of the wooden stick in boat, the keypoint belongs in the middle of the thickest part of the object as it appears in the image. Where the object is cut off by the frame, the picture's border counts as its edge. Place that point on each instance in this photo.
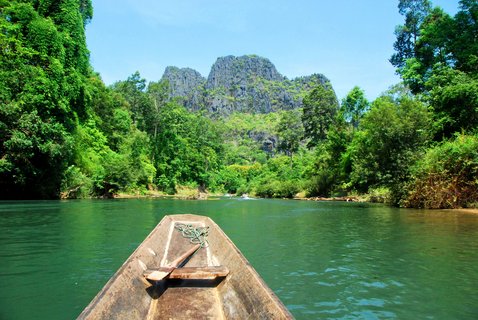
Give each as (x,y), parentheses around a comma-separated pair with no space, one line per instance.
(165,271)
(194,273)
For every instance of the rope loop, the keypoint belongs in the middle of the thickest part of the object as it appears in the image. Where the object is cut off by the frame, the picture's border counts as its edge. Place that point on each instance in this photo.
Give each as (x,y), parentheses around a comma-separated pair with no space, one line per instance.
(194,234)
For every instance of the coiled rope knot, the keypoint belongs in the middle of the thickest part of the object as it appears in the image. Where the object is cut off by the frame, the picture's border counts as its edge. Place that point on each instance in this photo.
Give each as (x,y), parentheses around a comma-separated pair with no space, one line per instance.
(194,234)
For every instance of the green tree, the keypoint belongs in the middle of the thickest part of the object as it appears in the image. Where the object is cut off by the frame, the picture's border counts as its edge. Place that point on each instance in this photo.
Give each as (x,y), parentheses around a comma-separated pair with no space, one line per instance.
(70,17)
(431,50)
(354,106)
(445,177)
(464,40)
(44,64)
(140,103)
(444,67)
(319,110)
(189,148)
(290,131)
(205,151)
(441,41)
(278,179)
(454,97)
(415,12)
(331,166)
(159,95)
(391,137)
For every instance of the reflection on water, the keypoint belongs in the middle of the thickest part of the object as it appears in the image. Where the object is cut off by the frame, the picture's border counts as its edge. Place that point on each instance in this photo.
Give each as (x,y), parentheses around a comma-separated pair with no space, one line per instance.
(324,260)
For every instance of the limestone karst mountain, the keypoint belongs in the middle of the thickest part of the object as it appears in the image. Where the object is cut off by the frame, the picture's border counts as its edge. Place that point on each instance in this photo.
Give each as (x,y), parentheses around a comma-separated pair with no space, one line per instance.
(239,84)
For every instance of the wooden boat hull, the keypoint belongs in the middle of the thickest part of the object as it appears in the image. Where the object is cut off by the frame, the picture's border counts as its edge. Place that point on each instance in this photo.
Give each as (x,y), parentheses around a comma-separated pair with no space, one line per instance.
(242,294)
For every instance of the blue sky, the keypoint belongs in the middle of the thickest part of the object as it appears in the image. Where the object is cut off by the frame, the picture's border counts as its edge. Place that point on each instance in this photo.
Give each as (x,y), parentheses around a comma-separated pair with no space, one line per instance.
(349,41)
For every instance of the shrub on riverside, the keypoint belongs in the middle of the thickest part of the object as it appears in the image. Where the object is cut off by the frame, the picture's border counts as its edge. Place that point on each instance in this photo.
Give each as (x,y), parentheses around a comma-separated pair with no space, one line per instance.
(447,176)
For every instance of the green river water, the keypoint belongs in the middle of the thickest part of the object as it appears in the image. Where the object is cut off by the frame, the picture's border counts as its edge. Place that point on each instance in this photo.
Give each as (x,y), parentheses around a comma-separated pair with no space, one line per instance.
(325,260)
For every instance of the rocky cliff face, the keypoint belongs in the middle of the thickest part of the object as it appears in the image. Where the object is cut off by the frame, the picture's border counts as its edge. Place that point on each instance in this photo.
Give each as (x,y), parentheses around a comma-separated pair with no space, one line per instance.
(187,85)
(240,84)
(230,71)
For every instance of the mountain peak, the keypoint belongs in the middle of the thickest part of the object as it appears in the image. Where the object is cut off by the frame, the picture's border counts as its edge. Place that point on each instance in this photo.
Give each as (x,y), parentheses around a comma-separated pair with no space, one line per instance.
(231,70)
(186,84)
(247,83)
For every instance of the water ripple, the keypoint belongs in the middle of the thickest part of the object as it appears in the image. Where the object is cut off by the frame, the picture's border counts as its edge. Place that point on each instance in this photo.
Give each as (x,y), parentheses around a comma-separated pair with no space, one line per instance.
(324,260)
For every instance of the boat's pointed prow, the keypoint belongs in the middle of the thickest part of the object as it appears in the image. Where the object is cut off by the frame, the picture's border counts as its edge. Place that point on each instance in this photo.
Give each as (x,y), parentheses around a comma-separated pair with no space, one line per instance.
(212,280)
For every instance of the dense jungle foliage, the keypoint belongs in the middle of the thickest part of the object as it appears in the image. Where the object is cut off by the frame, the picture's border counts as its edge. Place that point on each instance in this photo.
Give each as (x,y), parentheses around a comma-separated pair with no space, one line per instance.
(63,133)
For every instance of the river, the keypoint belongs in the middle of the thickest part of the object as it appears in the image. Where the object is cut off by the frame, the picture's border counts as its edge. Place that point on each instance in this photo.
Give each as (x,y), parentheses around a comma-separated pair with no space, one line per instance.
(331,260)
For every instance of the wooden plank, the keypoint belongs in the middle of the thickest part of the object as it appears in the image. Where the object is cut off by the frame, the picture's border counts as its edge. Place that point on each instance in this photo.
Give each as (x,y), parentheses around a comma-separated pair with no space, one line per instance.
(193,273)
(199,273)
(188,303)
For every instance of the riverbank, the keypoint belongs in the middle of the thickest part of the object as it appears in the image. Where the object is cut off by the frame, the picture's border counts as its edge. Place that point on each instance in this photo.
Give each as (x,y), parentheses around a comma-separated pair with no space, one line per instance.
(346,199)
(183,193)
(464,210)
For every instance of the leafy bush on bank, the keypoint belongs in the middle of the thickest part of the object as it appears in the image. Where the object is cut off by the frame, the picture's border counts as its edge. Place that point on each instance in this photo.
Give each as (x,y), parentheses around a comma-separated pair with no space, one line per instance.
(447,176)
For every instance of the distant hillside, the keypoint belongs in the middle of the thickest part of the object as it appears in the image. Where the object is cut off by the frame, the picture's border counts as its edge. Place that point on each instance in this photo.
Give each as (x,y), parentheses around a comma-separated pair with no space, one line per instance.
(239,84)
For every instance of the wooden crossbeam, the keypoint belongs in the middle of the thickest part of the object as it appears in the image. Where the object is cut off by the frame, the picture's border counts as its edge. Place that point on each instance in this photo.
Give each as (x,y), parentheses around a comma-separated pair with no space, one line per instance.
(193,273)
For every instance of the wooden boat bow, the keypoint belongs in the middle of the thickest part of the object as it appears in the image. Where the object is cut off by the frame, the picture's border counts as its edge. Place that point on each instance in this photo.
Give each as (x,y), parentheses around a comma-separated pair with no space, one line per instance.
(217,282)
